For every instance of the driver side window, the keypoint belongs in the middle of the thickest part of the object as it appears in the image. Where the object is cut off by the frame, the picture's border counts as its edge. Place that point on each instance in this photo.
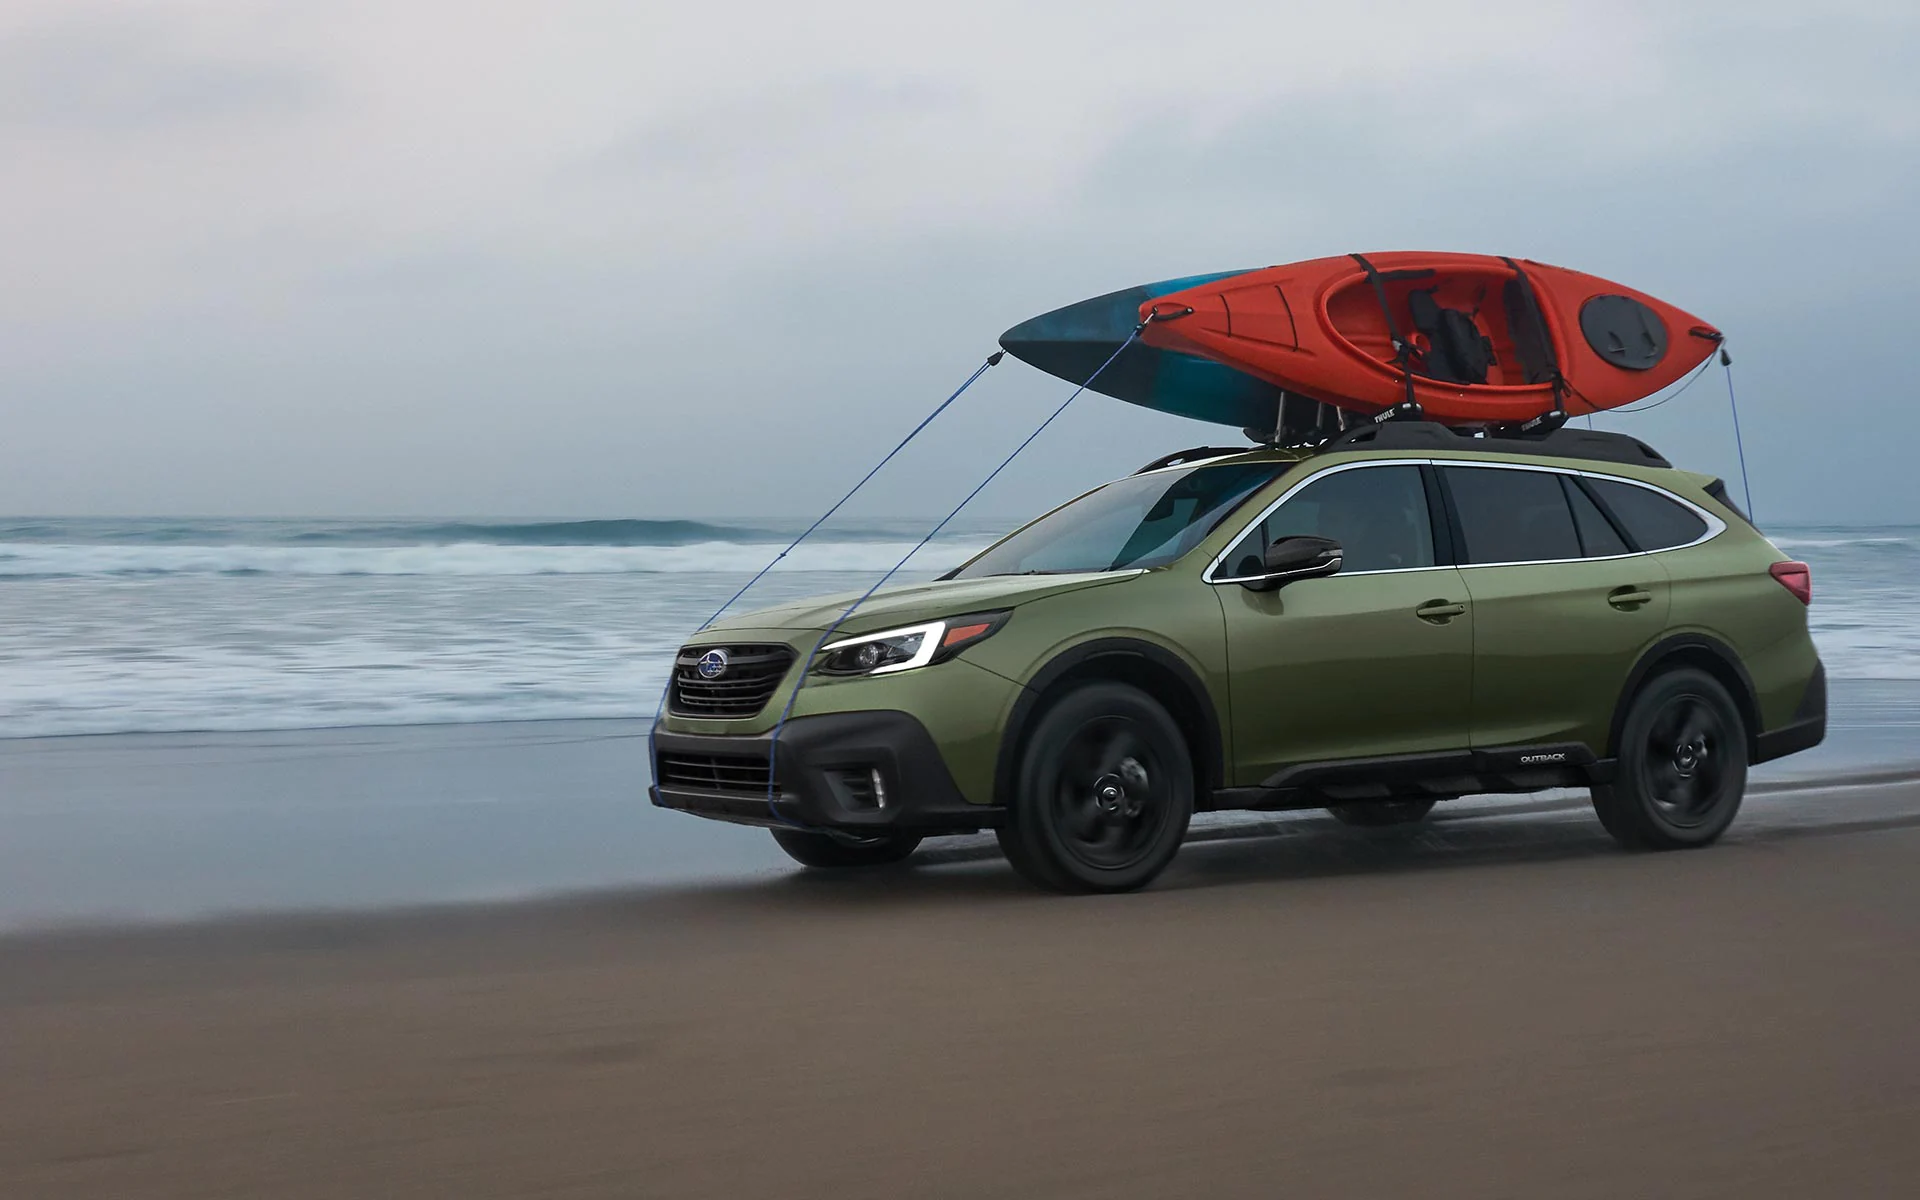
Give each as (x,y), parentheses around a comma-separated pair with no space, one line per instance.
(1377,514)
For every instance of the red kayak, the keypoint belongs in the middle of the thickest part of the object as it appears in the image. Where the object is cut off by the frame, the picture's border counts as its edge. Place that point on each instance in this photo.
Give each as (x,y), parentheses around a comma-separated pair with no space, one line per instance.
(1468,337)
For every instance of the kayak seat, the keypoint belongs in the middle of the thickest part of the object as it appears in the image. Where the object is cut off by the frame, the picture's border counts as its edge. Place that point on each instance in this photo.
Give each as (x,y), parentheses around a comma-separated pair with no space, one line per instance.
(1457,351)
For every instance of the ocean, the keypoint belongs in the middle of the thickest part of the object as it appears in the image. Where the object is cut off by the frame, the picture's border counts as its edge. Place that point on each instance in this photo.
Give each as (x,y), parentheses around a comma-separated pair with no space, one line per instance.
(176,624)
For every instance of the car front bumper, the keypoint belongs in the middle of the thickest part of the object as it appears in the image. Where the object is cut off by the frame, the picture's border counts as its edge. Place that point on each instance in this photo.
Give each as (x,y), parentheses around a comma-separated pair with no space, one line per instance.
(861,772)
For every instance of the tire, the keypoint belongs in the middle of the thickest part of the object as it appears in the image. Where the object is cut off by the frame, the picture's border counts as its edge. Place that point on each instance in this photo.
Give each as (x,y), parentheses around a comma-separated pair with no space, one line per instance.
(1377,813)
(1103,793)
(1682,765)
(828,851)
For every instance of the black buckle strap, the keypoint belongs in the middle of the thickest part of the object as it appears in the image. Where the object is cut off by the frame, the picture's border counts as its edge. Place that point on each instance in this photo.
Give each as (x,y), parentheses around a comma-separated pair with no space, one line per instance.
(1532,301)
(1402,349)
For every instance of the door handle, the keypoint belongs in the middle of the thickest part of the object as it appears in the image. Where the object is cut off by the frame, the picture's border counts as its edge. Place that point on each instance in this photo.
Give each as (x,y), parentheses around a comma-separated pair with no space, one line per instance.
(1439,612)
(1628,598)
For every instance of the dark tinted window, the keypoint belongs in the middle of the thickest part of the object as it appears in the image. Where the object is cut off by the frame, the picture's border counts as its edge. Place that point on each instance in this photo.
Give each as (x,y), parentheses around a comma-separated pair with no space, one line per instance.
(1141,521)
(1512,516)
(1377,514)
(1652,521)
(1598,537)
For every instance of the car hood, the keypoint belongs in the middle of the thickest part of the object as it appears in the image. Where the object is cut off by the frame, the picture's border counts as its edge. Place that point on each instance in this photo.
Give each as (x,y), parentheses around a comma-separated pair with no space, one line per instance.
(914,602)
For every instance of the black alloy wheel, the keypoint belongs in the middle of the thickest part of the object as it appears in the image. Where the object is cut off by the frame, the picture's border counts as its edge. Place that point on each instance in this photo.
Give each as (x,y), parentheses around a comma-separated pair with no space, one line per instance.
(1682,766)
(1104,795)
(833,850)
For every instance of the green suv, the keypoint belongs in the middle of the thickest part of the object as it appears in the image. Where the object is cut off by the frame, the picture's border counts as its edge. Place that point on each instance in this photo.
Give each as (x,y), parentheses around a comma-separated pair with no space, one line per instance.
(1401,616)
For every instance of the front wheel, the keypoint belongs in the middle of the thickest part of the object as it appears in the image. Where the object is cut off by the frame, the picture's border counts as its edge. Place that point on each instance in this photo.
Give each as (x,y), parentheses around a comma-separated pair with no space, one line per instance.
(1104,793)
(837,850)
(1682,765)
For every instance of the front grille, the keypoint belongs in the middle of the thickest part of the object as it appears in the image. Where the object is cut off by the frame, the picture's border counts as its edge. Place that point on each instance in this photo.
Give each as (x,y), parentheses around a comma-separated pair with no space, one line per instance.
(746,774)
(741,690)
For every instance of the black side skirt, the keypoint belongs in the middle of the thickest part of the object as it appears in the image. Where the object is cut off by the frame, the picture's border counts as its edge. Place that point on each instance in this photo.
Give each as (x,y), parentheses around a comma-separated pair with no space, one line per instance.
(1419,777)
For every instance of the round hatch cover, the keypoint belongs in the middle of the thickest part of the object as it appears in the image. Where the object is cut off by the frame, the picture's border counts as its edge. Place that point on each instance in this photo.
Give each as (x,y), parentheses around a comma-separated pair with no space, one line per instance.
(1624,331)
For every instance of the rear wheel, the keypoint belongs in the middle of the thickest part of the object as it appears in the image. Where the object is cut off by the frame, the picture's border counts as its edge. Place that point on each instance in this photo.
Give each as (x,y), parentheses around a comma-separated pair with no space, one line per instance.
(1682,766)
(1103,795)
(841,850)
(1374,813)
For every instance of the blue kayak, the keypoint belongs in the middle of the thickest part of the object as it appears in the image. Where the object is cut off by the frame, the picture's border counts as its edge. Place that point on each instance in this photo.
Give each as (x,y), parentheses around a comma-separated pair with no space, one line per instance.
(1072,342)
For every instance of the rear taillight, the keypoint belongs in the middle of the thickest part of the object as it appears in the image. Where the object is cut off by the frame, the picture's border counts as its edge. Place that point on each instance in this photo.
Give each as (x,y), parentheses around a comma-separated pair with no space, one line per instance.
(1796,578)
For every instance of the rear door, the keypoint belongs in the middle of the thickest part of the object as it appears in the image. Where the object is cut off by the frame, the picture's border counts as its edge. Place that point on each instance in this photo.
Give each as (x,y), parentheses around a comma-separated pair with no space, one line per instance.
(1376,660)
(1563,604)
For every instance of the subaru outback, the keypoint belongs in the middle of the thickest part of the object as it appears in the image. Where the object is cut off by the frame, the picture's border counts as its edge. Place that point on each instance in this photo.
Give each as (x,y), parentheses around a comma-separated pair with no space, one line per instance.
(1404,615)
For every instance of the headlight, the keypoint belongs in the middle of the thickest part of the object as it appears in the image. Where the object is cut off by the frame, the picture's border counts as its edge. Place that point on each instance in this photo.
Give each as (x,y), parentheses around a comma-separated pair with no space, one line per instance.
(906,648)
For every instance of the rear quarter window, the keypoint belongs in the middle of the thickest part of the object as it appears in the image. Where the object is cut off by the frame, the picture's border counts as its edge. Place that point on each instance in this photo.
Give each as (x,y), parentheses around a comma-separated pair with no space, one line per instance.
(1650,519)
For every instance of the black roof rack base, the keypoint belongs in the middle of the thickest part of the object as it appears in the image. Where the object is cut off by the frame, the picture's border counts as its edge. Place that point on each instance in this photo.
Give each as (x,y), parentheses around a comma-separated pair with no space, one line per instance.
(1563,442)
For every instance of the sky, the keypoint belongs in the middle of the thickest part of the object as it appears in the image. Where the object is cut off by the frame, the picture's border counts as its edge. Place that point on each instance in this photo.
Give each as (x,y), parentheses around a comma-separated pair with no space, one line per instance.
(444,257)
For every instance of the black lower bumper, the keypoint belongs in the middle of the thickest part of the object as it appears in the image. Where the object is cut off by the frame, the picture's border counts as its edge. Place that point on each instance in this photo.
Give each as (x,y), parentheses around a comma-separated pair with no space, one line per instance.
(859,771)
(1807,729)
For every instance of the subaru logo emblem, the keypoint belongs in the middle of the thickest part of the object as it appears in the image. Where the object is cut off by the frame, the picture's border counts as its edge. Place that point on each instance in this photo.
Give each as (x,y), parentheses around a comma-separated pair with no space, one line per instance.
(712,664)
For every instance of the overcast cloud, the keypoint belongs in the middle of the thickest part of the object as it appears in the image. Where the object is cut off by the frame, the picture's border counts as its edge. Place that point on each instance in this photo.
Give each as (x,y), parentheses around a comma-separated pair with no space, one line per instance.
(579,258)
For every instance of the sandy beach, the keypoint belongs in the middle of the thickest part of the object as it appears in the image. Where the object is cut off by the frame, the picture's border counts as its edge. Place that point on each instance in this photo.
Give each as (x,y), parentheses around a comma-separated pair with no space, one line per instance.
(1500,1004)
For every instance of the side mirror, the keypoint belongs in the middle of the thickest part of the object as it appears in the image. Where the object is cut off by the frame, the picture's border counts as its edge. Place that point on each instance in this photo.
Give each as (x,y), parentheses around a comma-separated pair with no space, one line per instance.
(1299,557)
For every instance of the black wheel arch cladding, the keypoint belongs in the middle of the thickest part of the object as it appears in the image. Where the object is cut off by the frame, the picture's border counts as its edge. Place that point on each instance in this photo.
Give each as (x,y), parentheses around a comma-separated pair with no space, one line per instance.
(1704,653)
(1159,672)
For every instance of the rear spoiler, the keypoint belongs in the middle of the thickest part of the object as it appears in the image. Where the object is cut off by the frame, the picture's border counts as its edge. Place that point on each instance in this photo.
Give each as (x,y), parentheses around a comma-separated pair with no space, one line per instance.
(1718,490)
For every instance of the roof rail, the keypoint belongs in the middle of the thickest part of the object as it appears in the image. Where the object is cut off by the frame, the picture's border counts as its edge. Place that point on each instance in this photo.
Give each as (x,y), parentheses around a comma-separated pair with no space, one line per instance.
(1565,442)
(1195,454)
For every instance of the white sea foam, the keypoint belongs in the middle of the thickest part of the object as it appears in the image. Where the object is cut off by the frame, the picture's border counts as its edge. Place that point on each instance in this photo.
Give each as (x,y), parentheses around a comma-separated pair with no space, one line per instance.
(1789,542)
(43,560)
(214,652)
(137,633)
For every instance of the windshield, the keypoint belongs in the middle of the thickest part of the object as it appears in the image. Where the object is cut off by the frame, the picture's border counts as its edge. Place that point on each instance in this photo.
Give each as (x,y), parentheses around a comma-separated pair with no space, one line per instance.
(1141,521)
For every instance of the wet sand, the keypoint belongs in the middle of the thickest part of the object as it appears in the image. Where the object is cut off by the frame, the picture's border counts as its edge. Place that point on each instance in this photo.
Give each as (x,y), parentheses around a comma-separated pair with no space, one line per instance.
(145,827)
(1501,1004)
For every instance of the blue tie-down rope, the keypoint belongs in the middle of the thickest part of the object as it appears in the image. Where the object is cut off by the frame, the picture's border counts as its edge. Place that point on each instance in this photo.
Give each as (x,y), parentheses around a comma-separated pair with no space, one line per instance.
(1746,488)
(659,710)
(773,748)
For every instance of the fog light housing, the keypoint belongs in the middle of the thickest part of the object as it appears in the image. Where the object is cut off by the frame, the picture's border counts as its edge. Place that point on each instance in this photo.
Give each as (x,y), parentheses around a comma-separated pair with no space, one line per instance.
(859,789)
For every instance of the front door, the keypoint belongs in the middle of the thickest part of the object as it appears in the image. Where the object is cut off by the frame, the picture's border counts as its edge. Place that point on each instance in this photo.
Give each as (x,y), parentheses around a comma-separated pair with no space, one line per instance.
(1376,660)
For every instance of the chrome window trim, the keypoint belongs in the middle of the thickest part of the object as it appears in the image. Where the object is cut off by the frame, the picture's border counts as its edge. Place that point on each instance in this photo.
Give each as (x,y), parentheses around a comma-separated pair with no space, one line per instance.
(1715,526)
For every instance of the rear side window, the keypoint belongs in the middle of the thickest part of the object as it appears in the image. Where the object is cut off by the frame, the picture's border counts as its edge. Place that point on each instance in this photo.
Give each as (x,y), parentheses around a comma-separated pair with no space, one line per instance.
(1512,516)
(1598,537)
(1377,514)
(1651,520)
